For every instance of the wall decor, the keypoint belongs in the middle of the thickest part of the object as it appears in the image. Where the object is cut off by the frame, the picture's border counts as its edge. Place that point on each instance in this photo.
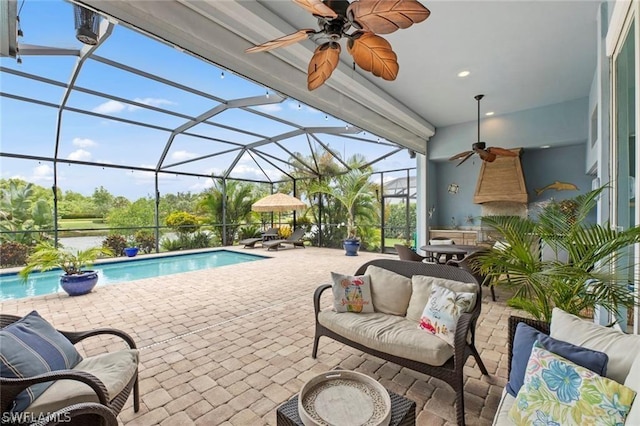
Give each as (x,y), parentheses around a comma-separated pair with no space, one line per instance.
(558,186)
(453,188)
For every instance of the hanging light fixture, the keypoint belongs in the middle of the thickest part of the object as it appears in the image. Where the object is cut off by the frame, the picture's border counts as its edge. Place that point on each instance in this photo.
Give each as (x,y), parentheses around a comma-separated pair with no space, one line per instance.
(87,25)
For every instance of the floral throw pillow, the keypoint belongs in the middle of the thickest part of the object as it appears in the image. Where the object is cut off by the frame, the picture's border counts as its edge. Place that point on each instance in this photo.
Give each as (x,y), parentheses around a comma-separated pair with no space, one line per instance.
(351,293)
(558,392)
(441,314)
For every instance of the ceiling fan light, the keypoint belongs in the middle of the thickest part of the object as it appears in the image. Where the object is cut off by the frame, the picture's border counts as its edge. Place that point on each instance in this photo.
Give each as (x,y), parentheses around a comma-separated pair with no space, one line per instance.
(463,74)
(87,24)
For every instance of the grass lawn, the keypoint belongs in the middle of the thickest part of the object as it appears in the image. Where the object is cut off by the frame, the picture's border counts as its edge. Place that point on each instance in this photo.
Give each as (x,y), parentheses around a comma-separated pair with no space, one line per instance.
(92,223)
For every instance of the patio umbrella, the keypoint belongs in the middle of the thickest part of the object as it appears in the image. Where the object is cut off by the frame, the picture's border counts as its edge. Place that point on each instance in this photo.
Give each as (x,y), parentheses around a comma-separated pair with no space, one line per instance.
(278,203)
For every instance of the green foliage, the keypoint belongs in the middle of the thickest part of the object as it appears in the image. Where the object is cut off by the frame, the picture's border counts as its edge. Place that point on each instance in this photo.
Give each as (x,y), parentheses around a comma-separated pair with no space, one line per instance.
(196,241)
(116,243)
(102,200)
(46,257)
(140,213)
(249,231)
(183,222)
(13,253)
(239,198)
(167,244)
(182,201)
(396,220)
(25,217)
(598,255)
(145,241)
(355,193)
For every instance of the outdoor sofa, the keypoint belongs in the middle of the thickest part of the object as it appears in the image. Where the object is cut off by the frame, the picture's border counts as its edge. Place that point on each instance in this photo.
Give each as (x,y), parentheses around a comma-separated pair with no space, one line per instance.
(622,365)
(397,337)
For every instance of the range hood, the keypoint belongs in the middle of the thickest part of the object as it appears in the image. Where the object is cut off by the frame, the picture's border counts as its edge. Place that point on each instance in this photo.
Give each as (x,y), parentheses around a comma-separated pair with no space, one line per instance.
(501,181)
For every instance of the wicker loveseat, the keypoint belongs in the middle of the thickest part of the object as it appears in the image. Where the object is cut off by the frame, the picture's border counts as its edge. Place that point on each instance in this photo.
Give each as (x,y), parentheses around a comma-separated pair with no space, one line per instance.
(106,379)
(399,339)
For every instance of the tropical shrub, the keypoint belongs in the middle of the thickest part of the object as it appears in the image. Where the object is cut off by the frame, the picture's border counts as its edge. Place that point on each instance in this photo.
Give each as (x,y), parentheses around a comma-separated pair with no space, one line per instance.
(145,241)
(183,222)
(13,253)
(116,243)
(600,261)
(248,231)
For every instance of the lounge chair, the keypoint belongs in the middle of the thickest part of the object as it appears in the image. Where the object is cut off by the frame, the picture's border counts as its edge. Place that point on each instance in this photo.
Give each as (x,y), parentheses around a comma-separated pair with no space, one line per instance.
(269,234)
(295,239)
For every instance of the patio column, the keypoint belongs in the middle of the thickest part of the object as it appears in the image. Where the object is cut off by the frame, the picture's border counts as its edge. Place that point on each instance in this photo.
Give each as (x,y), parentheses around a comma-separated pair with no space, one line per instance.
(422,200)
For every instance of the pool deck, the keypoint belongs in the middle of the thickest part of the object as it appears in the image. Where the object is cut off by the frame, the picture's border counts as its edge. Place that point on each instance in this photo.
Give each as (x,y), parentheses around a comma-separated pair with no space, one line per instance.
(229,345)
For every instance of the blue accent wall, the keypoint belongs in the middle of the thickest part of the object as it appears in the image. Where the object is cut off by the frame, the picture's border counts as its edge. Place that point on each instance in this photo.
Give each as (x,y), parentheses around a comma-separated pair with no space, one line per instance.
(540,167)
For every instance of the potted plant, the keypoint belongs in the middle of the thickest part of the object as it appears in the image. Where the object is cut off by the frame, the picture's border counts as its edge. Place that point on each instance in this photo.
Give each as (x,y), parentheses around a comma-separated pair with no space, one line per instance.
(598,268)
(131,250)
(75,280)
(355,192)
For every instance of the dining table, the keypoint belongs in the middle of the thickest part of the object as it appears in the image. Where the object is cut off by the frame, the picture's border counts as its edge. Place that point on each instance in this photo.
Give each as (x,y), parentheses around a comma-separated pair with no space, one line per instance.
(449,251)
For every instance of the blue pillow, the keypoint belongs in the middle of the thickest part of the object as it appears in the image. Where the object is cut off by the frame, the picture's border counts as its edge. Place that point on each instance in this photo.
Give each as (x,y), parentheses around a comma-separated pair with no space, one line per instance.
(29,347)
(523,342)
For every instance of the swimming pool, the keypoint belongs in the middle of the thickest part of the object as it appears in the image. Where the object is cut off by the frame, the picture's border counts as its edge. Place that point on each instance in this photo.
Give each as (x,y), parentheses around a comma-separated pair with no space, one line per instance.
(12,287)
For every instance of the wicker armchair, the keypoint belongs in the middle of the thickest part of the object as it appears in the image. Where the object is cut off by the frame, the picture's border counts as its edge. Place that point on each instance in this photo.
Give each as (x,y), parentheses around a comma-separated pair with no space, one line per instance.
(451,371)
(11,387)
(83,414)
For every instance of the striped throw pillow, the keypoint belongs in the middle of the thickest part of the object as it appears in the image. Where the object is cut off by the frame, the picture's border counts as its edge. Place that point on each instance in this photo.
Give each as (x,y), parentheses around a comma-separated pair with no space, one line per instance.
(31,346)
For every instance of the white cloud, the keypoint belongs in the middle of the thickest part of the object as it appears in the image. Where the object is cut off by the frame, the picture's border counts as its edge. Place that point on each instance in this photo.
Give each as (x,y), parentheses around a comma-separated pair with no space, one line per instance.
(152,102)
(79,155)
(83,142)
(270,107)
(42,173)
(109,107)
(201,185)
(183,155)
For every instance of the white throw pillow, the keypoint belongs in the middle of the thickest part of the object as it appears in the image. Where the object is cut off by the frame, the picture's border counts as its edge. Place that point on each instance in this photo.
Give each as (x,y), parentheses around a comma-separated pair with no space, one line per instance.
(622,349)
(351,293)
(422,285)
(390,291)
(441,314)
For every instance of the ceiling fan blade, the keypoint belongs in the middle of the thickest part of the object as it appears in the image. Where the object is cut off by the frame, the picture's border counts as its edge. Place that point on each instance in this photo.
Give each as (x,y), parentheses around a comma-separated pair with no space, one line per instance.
(460,155)
(317,8)
(386,16)
(373,53)
(501,151)
(281,41)
(486,155)
(465,158)
(324,61)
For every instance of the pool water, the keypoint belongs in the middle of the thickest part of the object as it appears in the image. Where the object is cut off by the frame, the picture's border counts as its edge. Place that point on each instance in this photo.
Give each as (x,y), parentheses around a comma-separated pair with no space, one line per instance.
(41,283)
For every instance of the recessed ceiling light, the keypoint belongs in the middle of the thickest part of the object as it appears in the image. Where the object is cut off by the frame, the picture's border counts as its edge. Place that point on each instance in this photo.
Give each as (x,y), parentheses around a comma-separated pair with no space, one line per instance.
(490,113)
(463,73)
(545,146)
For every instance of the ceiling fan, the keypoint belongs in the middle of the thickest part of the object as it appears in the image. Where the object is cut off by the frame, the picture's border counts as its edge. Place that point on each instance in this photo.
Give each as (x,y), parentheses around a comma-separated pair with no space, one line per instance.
(335,18)
(486,154)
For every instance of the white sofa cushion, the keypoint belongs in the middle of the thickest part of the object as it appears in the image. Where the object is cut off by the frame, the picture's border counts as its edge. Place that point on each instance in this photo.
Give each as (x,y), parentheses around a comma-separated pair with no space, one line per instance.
(390,334)
(633,381)
(421,291)
(622,349)
(390,291)
(113,369)
(502,415)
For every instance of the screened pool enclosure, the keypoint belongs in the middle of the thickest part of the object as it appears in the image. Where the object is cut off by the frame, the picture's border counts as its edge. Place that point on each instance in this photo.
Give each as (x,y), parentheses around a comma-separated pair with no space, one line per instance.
(135,123)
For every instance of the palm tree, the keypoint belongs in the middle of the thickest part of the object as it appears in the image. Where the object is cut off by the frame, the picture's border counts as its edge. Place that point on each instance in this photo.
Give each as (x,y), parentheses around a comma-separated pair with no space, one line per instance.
(239,198)
(355,193)
(597,272)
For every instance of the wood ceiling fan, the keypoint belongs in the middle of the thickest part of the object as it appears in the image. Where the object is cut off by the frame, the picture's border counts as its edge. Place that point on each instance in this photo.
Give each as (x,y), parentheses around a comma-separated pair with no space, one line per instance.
(486,154)
(336,18)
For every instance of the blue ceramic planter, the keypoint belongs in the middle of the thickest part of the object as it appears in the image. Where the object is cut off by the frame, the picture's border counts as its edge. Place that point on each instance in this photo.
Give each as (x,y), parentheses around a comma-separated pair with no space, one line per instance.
(351,247)
(131,251)
(76,285)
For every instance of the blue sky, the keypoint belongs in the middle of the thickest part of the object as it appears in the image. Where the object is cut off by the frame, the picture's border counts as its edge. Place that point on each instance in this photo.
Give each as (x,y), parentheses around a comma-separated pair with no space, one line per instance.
(30,129)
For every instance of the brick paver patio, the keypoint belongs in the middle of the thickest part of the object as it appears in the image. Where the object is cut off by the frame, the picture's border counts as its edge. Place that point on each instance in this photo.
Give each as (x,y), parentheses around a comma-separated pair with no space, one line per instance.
(229,345)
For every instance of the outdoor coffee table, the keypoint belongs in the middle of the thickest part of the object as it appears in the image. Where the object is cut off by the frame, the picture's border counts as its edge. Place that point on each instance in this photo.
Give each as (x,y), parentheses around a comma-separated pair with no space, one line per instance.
(403,412)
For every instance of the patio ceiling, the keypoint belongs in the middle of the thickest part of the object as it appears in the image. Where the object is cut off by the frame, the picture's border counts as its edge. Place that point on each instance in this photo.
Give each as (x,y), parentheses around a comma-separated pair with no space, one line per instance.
(522,54)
